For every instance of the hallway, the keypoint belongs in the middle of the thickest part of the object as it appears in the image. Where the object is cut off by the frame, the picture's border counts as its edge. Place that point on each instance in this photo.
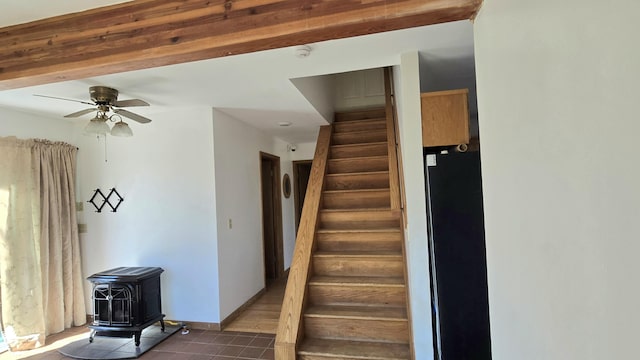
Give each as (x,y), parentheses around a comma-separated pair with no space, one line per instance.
(262,316)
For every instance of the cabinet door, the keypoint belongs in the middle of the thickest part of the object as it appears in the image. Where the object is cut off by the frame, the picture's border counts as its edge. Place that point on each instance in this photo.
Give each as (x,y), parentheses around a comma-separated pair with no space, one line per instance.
(445,118)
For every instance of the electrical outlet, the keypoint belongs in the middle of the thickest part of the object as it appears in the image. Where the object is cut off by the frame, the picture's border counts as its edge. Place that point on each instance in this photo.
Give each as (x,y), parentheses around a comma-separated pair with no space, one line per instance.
(230,224)
(79,206)
(82,228)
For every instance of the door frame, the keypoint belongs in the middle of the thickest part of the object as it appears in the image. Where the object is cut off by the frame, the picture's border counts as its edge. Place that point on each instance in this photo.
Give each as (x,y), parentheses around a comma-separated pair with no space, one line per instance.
(277,212)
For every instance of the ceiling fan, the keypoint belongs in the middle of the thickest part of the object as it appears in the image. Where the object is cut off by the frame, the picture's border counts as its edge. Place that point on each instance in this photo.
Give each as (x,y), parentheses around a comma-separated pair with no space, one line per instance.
(104,100)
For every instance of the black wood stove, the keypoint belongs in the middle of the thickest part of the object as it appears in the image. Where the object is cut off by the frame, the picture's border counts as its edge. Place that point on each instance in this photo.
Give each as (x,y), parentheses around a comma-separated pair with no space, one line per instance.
(126,300)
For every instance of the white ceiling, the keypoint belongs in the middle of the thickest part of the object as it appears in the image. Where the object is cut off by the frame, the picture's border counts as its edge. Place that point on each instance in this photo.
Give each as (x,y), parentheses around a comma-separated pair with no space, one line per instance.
(255,87)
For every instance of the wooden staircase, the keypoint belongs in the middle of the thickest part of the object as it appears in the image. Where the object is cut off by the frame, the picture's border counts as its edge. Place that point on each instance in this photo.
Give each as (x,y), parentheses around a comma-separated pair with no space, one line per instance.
(356,302)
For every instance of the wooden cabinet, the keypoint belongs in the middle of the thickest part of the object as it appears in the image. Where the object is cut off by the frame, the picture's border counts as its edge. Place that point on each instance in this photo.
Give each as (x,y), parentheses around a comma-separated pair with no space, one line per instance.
(445,118)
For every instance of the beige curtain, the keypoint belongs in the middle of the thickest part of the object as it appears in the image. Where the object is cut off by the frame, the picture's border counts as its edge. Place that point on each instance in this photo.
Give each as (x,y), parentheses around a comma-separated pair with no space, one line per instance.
(40,270)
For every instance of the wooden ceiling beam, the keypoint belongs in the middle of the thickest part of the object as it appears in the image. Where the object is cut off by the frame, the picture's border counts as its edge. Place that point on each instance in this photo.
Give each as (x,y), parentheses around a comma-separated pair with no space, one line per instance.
(149,33)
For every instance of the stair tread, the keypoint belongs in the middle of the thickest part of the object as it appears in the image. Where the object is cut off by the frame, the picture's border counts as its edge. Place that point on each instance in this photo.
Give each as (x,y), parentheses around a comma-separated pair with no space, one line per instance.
(344,191)
(354,349)
(361,121)
(359,173)
(359,144)
(389,254)
(372,210)
(338,231)
(357,312)
(360,114)
(359,210)
(360,132)
(358,281)
(361,158)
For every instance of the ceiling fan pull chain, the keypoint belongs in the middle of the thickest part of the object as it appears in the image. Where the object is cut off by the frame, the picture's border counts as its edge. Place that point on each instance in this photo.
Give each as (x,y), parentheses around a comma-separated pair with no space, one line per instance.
(105,147)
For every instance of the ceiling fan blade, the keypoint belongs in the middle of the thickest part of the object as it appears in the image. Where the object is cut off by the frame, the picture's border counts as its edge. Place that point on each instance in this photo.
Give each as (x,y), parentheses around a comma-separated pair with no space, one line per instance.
(80,113)
(132,102)
(59,98)
(139,118)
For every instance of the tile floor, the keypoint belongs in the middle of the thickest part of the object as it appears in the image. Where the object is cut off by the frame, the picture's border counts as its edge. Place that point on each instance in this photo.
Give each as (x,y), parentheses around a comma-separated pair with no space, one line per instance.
(197,345)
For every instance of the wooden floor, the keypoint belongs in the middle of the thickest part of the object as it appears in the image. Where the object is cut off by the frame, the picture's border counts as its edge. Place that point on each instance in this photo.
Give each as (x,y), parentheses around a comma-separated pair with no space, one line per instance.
(262,316)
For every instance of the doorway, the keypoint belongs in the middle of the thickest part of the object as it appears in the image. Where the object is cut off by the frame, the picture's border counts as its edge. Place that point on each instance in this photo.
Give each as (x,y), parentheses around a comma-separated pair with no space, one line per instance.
(301,173)
(271,217)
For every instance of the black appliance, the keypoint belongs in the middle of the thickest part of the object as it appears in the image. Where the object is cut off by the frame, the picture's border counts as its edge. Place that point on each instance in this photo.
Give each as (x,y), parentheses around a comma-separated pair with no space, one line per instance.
(457,256)
(126,300)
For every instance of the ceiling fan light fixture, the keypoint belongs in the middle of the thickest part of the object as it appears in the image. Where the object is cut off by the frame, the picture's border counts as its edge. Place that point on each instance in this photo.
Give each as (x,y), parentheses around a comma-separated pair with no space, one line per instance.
(97,125)
(122,129)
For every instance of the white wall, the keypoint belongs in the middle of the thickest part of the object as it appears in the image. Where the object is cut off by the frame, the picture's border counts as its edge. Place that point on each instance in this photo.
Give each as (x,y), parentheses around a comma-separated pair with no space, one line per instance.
(359,89)
(305,151)
(558,111)
(28,126)
(165,174)
(407,87)
(318,91)
(237,169)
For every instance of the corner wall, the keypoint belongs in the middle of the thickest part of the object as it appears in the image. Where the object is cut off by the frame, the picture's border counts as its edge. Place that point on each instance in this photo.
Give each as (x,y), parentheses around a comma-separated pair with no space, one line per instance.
(407,87)
(557,96)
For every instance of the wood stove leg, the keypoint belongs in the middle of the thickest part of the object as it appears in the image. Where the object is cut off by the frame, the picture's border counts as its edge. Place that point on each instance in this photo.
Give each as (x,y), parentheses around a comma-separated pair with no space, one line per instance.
(137,337)
(162,325)
(92,335)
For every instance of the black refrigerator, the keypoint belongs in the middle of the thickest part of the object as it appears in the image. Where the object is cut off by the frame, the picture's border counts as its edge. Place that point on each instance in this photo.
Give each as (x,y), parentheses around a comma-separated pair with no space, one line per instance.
(457,256)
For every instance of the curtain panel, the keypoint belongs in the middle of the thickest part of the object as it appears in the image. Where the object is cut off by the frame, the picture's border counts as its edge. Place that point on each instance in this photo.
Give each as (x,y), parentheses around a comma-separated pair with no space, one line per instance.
(40,269)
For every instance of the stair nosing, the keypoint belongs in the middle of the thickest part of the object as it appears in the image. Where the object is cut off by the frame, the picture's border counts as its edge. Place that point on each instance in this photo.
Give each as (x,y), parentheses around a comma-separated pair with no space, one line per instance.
(363,132)
(350,354)
(377,119)
(358,281)
(332,231)
(359,144)
(359,254)
(309,312)
(359,209)
(363,158)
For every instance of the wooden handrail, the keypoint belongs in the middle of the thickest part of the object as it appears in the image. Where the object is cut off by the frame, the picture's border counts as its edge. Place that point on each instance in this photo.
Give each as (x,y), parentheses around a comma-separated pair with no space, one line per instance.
(290,322)
(394,175)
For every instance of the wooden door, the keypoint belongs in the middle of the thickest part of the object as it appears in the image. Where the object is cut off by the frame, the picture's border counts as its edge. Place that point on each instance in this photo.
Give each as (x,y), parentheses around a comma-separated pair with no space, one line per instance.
(271,216)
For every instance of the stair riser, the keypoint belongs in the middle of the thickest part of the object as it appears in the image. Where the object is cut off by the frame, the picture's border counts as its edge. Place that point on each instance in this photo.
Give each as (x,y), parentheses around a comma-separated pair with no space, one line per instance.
(378,199)
(393,331)
(359,245)
(359,137)
(360,115)
(367,125)
(341,152)
(351,266)
(357,295)
(357,181)
(364,241)
(358,165)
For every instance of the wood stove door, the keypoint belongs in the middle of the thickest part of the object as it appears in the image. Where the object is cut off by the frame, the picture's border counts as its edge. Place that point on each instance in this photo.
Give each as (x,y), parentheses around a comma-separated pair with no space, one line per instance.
(112,305)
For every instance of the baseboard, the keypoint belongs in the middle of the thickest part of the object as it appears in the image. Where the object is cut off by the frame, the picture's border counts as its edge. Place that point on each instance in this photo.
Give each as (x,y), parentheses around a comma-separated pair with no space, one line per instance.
(226,321)
(202,325)
(190,324)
